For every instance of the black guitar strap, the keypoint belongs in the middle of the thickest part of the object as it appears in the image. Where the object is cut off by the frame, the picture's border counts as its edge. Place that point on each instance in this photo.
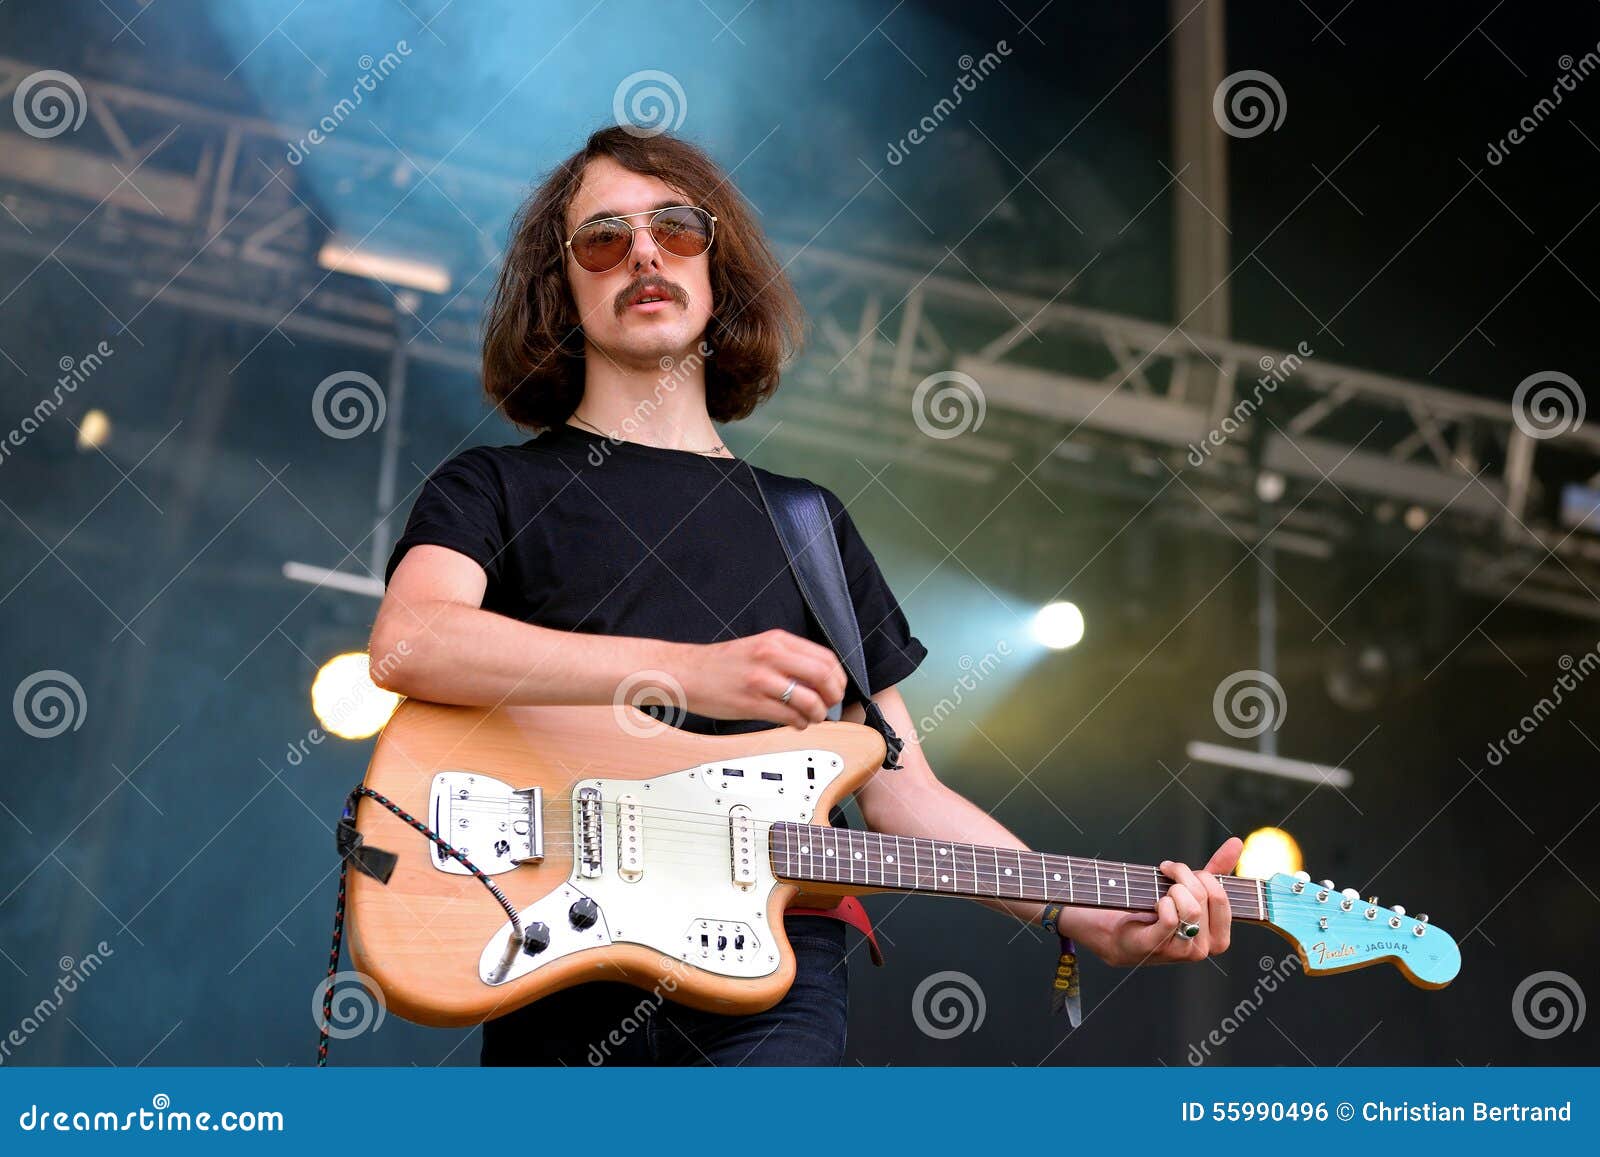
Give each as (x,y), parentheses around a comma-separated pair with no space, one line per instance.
(800,516)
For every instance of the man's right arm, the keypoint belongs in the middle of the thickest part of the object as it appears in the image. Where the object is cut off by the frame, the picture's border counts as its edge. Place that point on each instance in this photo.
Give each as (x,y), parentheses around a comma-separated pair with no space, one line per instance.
(433,640)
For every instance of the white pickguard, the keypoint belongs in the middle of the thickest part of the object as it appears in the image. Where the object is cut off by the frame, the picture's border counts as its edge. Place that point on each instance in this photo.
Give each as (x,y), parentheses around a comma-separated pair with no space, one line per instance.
(678,894)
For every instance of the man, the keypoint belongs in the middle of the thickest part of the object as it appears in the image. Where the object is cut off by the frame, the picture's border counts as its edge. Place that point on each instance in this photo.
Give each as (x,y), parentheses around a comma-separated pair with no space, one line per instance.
(625,546)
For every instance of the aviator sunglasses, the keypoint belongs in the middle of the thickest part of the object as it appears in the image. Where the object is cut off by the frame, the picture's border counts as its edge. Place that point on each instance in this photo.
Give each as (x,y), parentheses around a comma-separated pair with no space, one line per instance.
(681,230)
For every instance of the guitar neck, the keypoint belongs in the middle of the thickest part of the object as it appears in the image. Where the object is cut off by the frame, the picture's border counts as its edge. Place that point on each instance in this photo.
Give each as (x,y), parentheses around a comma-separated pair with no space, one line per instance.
(848,861)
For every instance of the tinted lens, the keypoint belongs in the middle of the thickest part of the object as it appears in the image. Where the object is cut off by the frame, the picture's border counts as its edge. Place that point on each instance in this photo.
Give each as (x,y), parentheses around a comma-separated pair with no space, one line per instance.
(683,232)
(601,245)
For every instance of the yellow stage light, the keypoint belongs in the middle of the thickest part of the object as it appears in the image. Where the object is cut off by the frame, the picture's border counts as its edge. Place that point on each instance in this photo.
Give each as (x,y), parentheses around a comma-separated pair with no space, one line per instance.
(346,700)
(1268,851)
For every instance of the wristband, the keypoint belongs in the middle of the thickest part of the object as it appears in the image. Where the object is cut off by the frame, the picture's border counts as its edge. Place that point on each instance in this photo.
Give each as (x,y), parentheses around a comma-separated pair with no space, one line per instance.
(1065,994)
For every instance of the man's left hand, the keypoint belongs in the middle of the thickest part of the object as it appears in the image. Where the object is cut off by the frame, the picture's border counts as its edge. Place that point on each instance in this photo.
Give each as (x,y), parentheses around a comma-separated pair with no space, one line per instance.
(1129,939)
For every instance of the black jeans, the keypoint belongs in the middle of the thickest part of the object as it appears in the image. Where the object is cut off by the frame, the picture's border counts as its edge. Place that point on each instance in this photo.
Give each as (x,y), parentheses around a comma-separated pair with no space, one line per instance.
(618,1024)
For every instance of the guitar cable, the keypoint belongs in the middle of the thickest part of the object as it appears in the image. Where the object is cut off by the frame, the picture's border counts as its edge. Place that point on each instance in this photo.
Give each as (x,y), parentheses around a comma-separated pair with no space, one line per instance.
(379,864)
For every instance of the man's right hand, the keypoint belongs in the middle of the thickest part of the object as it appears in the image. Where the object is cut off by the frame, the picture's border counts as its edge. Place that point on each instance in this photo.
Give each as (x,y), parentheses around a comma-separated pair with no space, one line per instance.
(743,679)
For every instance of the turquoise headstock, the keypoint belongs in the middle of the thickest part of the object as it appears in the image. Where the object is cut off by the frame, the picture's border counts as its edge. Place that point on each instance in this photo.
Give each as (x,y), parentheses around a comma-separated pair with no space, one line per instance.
(1335,931)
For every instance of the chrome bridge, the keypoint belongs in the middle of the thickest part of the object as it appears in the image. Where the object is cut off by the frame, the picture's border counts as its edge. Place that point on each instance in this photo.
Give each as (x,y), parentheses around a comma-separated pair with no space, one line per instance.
(493,824)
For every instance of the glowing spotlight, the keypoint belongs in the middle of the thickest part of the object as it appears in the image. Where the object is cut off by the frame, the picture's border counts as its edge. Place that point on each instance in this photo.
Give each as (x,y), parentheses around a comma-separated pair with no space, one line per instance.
(1058,626)
(1268,851)
(94,430)
(346,700)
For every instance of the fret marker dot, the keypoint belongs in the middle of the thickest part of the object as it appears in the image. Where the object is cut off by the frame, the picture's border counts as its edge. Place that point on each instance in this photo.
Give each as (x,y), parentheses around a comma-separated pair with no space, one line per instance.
(944,879)
(1057,876)
(805,851)
(858,855)
(944,851)
(888,859)
(1110,883)
(827,851)
(1008,871)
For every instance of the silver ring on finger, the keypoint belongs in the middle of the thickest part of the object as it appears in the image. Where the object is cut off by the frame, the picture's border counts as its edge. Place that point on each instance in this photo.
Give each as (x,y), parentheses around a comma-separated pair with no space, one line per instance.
(1188,931)
(788,691)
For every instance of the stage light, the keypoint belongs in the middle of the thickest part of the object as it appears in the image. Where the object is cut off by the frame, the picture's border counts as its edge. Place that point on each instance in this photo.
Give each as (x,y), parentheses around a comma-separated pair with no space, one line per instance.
(1058,626)
(1268,851)
(346,700)
(341,258)
(94,430)
(1270,485)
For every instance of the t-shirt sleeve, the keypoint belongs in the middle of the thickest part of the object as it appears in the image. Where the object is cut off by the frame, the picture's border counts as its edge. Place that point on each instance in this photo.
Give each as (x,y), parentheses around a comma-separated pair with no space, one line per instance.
(892,652)
(461,506)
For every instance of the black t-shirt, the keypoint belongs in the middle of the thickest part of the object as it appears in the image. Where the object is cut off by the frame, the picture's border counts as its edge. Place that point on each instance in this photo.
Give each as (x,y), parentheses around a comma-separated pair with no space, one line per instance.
(580,533)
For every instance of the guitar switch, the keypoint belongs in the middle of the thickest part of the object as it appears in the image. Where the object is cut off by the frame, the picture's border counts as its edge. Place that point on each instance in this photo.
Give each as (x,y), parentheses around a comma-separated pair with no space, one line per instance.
(584,913)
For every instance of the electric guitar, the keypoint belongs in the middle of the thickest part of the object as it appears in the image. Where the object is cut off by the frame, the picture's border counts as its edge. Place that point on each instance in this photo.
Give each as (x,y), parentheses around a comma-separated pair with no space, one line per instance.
(621,848)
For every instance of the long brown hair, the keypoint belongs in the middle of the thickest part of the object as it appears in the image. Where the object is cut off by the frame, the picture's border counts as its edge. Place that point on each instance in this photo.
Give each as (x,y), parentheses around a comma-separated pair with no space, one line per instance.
(533,359)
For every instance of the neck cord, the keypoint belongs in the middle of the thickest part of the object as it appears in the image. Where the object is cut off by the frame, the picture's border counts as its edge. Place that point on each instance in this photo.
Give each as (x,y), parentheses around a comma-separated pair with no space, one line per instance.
(602,433)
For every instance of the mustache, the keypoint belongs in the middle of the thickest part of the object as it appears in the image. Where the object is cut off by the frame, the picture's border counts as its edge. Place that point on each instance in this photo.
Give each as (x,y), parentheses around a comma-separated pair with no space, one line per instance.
(657,285)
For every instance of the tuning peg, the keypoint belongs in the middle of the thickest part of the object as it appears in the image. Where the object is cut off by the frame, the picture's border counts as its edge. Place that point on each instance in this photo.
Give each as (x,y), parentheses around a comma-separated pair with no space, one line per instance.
(1422,919)
(1303,877)
(1373,900)
(1399,910)
(1328,884)
(1350,894)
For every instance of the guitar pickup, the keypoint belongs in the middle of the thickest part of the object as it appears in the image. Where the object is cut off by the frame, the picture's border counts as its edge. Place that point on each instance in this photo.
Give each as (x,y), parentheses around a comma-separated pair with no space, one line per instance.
(741,845)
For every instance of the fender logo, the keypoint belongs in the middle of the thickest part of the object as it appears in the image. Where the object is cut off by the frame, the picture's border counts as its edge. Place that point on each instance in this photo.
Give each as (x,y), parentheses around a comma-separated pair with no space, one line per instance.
(1324,953)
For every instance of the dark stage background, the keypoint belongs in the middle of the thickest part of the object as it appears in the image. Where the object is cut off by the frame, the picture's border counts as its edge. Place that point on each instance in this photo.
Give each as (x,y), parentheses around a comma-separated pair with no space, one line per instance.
(1078,235)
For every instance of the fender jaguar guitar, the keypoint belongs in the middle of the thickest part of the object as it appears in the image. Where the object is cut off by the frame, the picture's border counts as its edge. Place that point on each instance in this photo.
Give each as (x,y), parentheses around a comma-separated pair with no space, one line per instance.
(619,848)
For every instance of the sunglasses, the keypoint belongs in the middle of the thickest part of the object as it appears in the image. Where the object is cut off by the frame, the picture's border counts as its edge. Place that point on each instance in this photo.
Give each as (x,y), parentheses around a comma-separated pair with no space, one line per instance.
(681,230)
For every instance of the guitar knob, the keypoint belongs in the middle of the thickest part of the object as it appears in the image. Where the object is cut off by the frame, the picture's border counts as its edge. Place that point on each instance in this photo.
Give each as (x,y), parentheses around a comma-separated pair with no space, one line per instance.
(535,938)
(1303,877)
(584,913)
(1398,910)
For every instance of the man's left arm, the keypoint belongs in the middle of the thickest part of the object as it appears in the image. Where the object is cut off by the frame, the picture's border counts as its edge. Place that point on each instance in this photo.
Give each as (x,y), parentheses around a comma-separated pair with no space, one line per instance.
(912,802)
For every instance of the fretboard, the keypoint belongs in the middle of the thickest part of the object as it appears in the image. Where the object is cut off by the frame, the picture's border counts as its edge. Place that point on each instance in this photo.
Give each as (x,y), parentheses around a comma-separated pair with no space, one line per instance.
(870,861)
